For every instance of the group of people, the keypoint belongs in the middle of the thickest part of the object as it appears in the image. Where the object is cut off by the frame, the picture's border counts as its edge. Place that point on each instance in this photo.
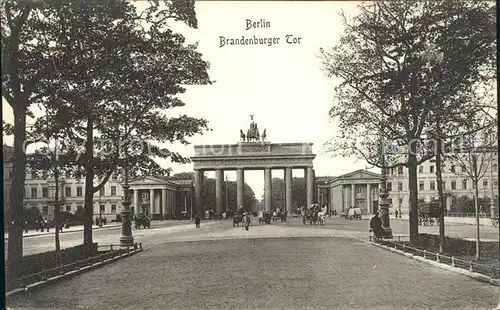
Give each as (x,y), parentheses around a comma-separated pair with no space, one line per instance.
(99,221)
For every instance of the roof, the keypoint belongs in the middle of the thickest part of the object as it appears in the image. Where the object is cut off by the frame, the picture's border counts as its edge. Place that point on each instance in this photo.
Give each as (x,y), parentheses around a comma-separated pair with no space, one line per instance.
(181,182)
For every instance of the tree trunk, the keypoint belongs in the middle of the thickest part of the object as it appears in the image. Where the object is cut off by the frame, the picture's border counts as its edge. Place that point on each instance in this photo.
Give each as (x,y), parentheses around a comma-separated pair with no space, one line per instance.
(89,183)
(476,205)
(15,242)
(442,204)
(413,186)
(57,207)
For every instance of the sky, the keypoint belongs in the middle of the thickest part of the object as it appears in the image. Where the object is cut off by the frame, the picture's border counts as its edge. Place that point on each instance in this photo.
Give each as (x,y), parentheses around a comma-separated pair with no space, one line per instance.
(282,85)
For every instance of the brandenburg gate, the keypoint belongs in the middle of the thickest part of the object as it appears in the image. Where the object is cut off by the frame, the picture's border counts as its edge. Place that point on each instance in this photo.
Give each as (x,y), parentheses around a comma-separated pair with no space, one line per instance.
(253,152)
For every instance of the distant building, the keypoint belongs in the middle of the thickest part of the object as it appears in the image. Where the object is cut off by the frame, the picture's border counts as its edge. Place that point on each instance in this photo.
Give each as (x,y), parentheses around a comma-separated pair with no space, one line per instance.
(171,198)
(361,188)
(358,189)
(456,183)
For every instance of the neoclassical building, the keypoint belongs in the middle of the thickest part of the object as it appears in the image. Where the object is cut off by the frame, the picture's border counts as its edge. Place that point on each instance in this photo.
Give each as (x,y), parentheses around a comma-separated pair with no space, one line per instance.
(162,198)
(358,189)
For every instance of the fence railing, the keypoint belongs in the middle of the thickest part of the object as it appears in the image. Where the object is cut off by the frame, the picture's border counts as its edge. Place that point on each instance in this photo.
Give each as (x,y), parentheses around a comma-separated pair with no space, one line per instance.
(488,270)
(473,215)
(107,252)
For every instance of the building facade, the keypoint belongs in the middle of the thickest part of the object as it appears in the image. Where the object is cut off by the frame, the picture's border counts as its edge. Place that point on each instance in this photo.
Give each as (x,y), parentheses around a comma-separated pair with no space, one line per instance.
(171,198)
(358,189)
(456,183)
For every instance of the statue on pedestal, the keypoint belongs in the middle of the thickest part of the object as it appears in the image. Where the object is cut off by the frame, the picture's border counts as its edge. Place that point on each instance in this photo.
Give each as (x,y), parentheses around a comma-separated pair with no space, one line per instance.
(264,135)
(253,132)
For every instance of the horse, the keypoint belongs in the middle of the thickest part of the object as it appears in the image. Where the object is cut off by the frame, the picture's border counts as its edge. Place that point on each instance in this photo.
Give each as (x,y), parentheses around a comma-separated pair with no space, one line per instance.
(322,217)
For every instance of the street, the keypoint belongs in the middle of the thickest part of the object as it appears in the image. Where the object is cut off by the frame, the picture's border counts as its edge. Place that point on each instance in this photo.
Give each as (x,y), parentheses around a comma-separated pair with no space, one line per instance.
(282,265)
(357,228)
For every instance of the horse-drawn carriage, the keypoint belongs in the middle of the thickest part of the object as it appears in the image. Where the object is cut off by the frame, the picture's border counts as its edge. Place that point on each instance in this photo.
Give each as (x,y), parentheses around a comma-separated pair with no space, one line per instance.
(428,213)
(354,213)
(313,215)
(142,220)
(266,218)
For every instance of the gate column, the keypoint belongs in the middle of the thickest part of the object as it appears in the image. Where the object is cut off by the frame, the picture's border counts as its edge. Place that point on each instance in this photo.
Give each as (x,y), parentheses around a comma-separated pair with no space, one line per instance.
(198,184)
(218,191)
(288,190)
(310,189)
(268,193)
(240,187)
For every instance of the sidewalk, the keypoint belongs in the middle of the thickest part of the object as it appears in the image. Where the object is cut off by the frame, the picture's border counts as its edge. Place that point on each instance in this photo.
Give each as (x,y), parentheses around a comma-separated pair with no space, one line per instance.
(32,232)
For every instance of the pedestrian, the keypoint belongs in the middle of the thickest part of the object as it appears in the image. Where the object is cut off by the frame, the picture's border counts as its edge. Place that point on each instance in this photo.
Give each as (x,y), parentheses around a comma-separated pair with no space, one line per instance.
(197,221)
(376,226)
(246,221)
(396,213)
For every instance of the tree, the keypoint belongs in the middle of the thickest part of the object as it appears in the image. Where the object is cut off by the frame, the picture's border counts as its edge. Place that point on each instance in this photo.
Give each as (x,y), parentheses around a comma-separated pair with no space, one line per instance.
(475,156)
(124,71)
(389,87)
(299,198)
(27,58)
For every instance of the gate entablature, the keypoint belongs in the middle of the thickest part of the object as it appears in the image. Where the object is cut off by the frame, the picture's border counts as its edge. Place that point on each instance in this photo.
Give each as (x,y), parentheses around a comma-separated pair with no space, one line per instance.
(253,155)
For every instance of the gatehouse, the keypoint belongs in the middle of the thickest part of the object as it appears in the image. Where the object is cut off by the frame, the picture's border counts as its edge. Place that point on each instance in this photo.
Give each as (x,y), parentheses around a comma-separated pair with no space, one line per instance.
(253,152)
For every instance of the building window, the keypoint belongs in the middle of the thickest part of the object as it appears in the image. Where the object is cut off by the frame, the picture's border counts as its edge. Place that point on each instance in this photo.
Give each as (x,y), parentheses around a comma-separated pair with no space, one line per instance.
(494,167)
(68,208)
(443,184)
(485,183)
(113,208)
(420,169)
(102,208)
(400,170)
(45,175)
(452,168)
(45,210)
(33,175)
(45,192)
(453,184)
(102,192)
(113,190)
(393,170)
(421,186)
(400,202)
(464,168)
(34,193)
(431,169)
(495,182)
(359,190)
(79,191)
(464,184)
(433,185)
(68,175)
(145,196)
(68,191)
(400,186)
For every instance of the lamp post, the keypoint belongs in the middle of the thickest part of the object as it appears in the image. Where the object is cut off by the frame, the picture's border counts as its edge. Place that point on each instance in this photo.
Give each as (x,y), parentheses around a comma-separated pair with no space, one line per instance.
(126,239)
(383,203)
